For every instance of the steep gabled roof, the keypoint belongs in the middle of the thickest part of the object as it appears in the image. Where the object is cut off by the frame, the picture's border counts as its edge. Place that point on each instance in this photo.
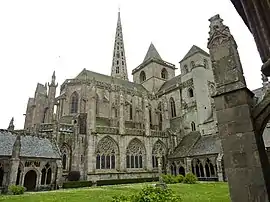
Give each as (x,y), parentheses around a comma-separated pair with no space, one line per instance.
(195,49)
(152,53)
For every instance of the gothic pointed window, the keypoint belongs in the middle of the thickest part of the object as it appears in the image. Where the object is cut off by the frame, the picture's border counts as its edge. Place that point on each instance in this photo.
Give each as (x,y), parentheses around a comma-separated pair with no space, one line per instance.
(142,76)
(97,104)
(106,153)
(159,151)
(173,110)
(117,70)
(135,154)
(130,111)
(209,168)
(160,116)
(74,103)
(193,126)
(117,62)
(65,158)
(190,92)
(46,175)
(164,74)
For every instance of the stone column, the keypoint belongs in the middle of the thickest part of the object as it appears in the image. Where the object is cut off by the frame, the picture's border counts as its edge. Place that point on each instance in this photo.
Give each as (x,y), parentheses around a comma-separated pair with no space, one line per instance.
(122,128)
(242,153)
(146,117)
(76,150)
(219,170)
(188,165)
(91,117)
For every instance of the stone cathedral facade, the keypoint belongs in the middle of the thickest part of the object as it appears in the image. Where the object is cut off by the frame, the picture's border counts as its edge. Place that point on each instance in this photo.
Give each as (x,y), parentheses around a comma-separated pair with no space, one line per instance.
(108,127)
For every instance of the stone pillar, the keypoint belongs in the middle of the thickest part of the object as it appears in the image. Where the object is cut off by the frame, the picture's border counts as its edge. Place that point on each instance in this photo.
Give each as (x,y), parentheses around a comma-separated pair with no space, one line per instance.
(242,153)
(76,150)
(91,118)
(188,165)
(122,128)
(146,117)
(219,170)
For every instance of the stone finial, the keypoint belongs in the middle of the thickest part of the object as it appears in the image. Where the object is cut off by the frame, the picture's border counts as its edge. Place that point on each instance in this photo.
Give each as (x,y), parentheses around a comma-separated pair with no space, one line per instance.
(16,150)
(217,30)
(11,125)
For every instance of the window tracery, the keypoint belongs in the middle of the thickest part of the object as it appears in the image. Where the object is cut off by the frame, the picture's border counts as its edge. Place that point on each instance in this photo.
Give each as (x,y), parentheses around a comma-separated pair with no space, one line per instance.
(74,103)
(107,150)
(65,158)
(46,175)
(159,151)
(135,154)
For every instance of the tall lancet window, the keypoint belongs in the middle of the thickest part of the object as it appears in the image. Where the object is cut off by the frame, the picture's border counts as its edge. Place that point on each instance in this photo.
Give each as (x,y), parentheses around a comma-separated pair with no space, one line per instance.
(74,103)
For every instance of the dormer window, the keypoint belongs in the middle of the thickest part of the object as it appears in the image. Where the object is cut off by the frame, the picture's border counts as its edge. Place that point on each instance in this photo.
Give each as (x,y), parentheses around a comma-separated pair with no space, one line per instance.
(164,74)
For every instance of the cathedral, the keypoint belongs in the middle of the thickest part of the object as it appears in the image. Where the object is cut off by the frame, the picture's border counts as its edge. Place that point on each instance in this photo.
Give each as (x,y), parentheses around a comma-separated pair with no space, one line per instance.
(107,127)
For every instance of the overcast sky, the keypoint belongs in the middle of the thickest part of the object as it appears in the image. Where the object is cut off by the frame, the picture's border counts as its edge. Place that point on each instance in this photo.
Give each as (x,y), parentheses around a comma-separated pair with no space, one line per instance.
(33,34)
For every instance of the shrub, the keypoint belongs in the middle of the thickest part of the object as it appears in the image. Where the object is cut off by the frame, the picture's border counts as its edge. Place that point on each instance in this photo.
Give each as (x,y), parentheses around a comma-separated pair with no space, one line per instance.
(125,181)
(74,176)
(169,179)
(190,178)
(77,184)
(180,178)
(16,189)
(149,194)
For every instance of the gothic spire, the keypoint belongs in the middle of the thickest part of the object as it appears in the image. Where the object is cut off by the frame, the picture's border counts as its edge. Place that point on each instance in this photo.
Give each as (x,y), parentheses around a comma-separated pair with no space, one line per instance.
(53,81)
(119,66)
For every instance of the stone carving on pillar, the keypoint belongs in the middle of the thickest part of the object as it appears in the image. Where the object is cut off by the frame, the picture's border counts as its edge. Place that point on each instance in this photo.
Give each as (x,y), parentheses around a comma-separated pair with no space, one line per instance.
(121,115)
(166,113)
(245,159)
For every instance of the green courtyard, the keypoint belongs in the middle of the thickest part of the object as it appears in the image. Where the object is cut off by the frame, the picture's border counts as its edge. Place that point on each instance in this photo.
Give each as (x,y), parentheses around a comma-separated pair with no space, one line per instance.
(210,192)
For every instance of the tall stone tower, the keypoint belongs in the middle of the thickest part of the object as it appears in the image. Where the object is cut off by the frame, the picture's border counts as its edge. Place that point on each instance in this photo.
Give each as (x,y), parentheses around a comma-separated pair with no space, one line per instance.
(119,65)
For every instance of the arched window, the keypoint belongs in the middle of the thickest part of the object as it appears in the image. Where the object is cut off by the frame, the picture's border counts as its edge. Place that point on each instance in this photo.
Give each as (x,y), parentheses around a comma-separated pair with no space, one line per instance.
(160,117)
(193,126)
(185,69)
(130,111)
(142,76)
(209,168)
(117,70)
(97,104)
(190,92)
(106,153)
(159,150)
(150,116)
(74,103)
(192,64)
(173,169)
(65,158)
(46,175)
(182,171)
(205,63)
(135,154)
(164,74)
(173,110)
(19,173)
(197,168)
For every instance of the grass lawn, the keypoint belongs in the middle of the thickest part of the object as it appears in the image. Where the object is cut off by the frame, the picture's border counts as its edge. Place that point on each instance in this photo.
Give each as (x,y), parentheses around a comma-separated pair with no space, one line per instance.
(210,192)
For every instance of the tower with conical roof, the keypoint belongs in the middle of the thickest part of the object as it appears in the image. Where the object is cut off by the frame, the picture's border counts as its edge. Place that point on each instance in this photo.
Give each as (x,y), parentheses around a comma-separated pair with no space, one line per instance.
(119,65)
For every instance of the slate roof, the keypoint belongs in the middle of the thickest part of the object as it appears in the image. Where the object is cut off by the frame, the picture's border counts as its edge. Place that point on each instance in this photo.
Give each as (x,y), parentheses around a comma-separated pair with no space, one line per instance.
(195,49)
(208,144)
(108,79)
(185,145)
(30,146)
(152,53)
(171,82)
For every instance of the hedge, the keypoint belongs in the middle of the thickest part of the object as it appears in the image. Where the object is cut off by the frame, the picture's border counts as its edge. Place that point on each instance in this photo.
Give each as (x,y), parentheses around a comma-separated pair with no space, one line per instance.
(76,184)
(125,181)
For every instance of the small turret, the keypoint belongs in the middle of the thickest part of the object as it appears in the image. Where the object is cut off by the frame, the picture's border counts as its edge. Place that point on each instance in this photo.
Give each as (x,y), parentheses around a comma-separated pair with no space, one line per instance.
(11,125)
(53,81)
